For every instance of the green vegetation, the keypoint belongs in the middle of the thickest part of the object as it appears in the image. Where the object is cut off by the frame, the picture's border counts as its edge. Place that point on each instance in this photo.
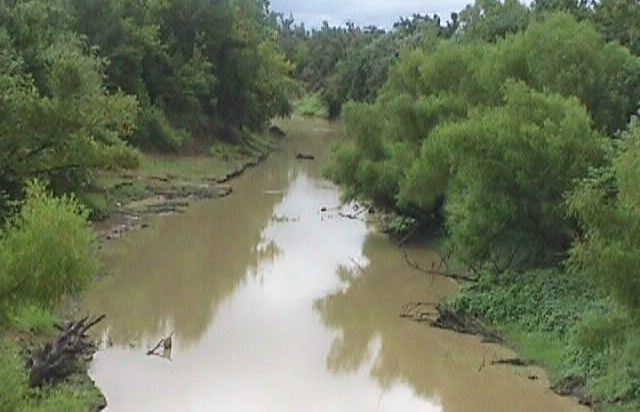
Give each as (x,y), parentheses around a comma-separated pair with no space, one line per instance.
(310,105)
(509,127)
(80,91)
(85,86)
(515,134)
(34,272)
(34,277)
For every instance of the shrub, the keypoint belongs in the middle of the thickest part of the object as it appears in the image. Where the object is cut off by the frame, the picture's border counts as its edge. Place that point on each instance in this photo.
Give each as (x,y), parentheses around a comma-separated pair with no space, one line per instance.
(46,251)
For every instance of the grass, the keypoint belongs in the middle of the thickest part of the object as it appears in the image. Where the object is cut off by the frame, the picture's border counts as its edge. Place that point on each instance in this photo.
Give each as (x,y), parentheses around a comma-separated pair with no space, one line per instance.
(33,318)
(164,177)
(542,348)
(189,168)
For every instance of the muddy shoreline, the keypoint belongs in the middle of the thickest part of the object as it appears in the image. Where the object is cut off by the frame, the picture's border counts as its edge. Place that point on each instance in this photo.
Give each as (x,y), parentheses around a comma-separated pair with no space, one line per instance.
(442,316)
(171,198)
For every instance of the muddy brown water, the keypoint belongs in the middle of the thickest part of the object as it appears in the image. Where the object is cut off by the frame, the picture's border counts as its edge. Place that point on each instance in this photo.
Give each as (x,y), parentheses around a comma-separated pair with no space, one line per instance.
(278,306)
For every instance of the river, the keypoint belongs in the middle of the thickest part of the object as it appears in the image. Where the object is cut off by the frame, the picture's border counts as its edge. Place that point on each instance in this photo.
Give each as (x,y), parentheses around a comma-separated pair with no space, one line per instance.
(276,305)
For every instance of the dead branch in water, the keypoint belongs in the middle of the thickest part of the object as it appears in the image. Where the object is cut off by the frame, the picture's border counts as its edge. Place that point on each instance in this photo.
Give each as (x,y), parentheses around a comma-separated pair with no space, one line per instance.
(463,323)
(58,359)
(511,362)
(358,265)
(164,343)
(433,271)
(352,216)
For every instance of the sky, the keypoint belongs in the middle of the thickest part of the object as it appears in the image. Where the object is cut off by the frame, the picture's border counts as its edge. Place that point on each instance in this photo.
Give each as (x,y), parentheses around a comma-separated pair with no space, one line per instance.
(382,13)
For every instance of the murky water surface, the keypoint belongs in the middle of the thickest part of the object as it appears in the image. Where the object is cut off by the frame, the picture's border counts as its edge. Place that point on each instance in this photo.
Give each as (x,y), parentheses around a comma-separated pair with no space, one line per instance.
(278,306)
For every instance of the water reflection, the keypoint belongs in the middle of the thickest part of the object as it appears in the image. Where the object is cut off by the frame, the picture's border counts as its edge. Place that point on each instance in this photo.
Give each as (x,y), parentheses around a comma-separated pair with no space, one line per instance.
(175,275)
(279,306)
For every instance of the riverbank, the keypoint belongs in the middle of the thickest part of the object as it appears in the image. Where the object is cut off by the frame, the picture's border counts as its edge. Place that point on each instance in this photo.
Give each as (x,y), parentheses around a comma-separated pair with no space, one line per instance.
(166,184)
(120,203)
(547,317)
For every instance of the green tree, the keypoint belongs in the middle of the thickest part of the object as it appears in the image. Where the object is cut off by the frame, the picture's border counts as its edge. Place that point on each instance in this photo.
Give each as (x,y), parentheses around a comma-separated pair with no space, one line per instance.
(607,205)
(491,20)
(618,20)
(504,172)
(65,133)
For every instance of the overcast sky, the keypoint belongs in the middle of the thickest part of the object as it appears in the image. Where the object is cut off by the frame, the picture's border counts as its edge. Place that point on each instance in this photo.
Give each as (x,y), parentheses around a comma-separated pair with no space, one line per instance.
(382,13)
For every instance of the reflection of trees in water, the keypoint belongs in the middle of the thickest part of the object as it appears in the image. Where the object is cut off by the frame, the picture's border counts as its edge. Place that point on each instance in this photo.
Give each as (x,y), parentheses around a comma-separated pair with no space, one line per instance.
(178,279)
(366,315)
(266,252)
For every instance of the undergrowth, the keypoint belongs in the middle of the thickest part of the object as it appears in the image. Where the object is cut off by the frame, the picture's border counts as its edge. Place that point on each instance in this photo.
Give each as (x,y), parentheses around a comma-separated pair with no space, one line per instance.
(558,320)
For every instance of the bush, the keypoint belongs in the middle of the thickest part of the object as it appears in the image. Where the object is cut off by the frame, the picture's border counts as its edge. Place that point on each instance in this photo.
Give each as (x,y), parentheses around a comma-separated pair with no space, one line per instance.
(46,250)
(96,203)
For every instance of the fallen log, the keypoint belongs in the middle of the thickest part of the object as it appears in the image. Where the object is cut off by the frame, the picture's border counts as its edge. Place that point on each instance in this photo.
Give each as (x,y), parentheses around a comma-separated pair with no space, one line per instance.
(59,358)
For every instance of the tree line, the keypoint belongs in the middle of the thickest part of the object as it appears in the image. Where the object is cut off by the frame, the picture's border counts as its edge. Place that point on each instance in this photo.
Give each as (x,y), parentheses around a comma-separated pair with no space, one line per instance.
(351,63)
(87,83)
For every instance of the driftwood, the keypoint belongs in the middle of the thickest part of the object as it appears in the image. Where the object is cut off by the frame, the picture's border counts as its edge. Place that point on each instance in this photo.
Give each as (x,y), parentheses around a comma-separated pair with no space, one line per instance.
(576,387)
(303,156)
(165,344)
(511,362)
(353,216)
(276,131)
(59,358)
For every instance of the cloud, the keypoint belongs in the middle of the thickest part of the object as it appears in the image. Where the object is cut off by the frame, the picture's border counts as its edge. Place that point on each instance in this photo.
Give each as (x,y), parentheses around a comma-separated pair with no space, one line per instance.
(381,13)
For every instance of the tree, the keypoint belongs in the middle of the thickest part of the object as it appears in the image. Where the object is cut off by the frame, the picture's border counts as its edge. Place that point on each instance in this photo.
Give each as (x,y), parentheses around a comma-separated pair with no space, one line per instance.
(607,205)
(68,126)
(618,20)
(491,20)
(503,173)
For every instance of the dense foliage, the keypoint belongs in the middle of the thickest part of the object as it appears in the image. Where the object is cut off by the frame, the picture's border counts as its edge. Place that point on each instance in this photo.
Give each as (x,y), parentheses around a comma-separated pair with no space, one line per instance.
(195,66)
(57,120)
(78,89)
(352,63)
(473,126)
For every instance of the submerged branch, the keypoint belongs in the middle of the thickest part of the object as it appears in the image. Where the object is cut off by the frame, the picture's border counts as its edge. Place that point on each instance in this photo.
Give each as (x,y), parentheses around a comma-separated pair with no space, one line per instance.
(433,271)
